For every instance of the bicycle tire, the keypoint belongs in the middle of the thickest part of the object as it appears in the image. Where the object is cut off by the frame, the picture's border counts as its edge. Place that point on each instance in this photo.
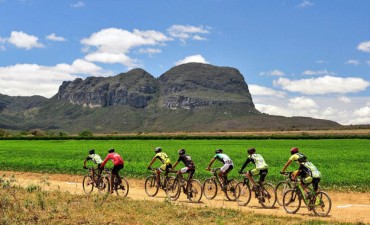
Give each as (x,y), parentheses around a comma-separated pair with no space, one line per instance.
(318,207)
(150,186)
(103,185)
(291,201)
(243,193)
(281,188)
(195,191)
(268,195)
(172,188)
(230,189)
(88,184)
(210,188)
(123,188)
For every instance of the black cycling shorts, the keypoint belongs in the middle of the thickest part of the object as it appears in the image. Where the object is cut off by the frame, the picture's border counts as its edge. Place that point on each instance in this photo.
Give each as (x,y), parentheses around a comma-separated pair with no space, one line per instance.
(116,169)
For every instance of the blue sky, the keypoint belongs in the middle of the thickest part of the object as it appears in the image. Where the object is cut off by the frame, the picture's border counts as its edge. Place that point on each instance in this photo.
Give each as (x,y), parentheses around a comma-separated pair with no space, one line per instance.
(299,57)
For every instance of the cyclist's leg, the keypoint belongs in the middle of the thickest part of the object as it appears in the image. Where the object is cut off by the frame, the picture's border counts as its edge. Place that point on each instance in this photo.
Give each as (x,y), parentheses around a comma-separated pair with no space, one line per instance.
(250,175)
(315,184)
(263,174)
(223,173)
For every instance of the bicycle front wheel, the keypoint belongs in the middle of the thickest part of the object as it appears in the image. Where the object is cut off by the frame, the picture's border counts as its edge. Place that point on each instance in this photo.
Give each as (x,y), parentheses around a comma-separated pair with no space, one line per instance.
(210,188)
(88,184)
(230,189)
(195,191)
(103,185)
(173,188)
(242,194)
(281,188)
(322,205)
(291,201)
(268,195)
(151,187)
(123,188)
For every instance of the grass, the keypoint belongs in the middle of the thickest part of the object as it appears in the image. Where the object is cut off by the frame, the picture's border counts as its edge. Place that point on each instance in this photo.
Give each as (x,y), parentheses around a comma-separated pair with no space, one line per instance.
(342,162)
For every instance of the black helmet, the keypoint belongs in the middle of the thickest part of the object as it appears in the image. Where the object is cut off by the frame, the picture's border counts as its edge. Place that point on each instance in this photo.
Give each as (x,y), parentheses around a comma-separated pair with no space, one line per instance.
(218,150)
(158,149)
(111,150)
(181,151)
(92,151)
(251,151)
(302,159)
(294,150)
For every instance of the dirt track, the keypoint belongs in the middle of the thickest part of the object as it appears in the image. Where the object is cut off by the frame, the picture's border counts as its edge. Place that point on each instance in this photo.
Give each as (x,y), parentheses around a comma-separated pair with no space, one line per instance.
(347,207)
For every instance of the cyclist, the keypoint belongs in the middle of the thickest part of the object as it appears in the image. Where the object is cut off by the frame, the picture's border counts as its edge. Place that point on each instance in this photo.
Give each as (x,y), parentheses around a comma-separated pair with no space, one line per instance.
(189,164)
(309,174)
(261,167)
(97,161)
(165,160)
(225,169)
(118,165)
(295,156)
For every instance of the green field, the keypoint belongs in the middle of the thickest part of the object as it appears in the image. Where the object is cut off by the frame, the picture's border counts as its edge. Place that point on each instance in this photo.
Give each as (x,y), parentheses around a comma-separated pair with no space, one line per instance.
(344,163)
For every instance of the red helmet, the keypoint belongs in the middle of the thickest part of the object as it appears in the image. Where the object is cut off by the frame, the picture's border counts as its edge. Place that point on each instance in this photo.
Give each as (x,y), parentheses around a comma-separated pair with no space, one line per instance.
(294,150)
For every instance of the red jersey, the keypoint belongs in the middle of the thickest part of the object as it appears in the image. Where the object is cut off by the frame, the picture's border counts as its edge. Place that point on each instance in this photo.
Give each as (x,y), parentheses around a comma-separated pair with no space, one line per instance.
(116,158)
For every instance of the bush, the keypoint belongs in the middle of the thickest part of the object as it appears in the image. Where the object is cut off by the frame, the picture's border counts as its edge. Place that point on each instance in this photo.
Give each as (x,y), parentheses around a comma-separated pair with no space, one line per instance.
(85,133)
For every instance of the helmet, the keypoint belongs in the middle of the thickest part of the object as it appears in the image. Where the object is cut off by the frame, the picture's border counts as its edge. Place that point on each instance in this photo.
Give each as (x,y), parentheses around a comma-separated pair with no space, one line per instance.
(219,151)
(92,151)
(302,159)
(251,151)
(111,150)
(181,151)
(294,150)
(158,149)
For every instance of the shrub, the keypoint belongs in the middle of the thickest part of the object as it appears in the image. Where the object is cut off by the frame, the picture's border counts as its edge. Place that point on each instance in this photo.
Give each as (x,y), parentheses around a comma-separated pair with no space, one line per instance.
(85,133)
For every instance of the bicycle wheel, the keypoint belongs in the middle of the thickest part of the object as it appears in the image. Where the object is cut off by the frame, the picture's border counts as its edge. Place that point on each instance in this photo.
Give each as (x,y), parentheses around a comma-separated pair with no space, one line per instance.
(281,188)
(151,187)
(122,188)
(195,191)
(291,201)
(103,185)
(172,188)
(322,205)
(88,184)
(230,189)
(210,188)
(242,193)
(267,195)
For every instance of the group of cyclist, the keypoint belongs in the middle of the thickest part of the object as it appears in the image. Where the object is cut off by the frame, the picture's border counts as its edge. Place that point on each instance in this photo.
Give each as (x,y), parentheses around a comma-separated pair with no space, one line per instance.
(308,173)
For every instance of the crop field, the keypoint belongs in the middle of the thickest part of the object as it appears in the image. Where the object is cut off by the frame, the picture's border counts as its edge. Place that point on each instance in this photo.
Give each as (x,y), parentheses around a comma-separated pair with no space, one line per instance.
(344,163)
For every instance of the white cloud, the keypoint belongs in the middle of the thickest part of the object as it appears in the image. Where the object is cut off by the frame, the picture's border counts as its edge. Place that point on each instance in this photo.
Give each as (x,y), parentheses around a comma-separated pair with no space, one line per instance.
(302,103)
(323,85)
(33,79)
(363,112)
(322,62)
(78,4)
(353,62)
(317,72)
(273,73)
(149,51)
(23,40)
(54,37)
(185,32)
(364,46)
(305,4)
(344,99)
(192,58)
(257,90)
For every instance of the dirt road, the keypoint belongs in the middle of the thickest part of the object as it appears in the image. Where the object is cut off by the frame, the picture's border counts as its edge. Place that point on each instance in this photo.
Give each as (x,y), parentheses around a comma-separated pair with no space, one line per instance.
(347,207)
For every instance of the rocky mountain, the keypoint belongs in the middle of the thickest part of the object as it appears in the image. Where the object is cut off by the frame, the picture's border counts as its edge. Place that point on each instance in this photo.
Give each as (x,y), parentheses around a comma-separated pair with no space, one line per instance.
(189,97)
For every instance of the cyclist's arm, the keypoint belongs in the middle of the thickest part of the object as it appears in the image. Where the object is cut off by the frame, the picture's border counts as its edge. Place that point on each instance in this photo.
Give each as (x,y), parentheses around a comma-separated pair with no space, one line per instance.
(173,167)
(286,166)
(210,163)
(86,159)
(151,163)
(245,164)
(105,161)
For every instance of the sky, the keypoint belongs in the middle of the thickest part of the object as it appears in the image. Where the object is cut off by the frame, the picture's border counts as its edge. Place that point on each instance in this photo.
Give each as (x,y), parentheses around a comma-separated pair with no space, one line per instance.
(298,57)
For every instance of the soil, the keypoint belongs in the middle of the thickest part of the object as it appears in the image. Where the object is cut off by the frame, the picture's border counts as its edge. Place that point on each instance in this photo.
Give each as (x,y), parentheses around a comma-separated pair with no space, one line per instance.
(353,207)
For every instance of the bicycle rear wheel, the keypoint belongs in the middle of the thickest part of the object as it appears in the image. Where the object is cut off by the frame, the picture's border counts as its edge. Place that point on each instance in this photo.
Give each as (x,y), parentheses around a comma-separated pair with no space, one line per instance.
(173,188)
(267,195)
(195,191)
(88,184)
(291,201)
(151,187)
(281,188)
(322,205)
(242,194)
(122,188)
(210,188)
(230,189)
(103,185)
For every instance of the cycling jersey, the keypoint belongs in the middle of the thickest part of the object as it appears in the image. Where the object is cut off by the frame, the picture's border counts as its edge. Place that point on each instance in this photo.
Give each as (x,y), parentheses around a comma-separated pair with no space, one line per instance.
(296,156)
(95,158)
(186,160)
(116,158)
(308,169)
(257,160)
(223,158)
(163,158)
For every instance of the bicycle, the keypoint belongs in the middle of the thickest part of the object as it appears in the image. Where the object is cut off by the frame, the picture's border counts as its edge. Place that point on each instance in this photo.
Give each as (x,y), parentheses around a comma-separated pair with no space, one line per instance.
(264,192)
(88,183)
(192,188)
(319,202)
(120,184)
(151,186)
(210,188)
